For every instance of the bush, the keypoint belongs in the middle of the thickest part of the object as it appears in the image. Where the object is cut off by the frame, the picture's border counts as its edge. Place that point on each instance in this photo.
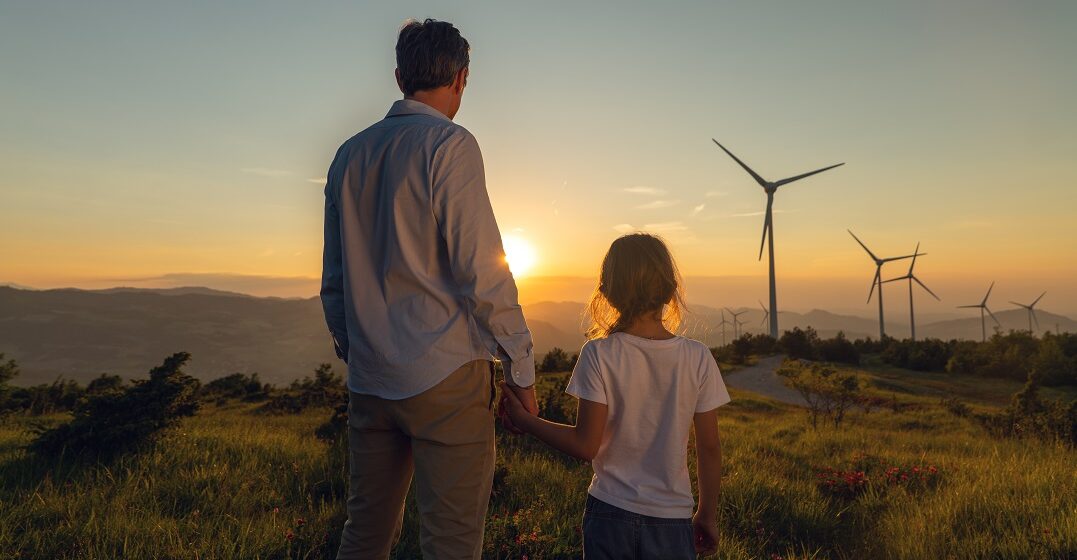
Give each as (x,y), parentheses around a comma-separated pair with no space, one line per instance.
(929,354)
(799,344)
(237,386)
(557,360)
(1031,416)
(121,420)
(325,388)
(838,349)
(829,393)
(103,383)
(59,396)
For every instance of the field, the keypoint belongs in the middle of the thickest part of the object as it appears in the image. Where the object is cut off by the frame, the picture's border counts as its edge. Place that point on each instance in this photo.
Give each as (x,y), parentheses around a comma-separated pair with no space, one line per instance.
(232,483)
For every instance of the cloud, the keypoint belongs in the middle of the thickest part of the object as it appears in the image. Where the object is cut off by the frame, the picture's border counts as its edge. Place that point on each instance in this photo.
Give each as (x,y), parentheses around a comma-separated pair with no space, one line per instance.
(658,204)
(697,209)
(265,172)
(645,190)
(624,228)
(317,181)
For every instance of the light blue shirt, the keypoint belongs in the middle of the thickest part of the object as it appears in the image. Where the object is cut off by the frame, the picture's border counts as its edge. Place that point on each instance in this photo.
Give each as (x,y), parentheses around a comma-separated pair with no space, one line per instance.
(414,278)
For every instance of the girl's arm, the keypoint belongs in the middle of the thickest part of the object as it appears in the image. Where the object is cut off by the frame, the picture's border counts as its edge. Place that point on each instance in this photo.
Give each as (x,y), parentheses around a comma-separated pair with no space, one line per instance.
(709,474)
(580,441)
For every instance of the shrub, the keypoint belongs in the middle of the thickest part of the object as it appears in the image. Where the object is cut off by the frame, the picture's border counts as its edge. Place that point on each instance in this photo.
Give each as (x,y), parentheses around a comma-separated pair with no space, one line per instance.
(121,420)
(828,393)
(929,354)
(557,360)
(1028,415)
(103,383)
(237,386)
(838,349)
(324,388)
(799,344)
(59,396)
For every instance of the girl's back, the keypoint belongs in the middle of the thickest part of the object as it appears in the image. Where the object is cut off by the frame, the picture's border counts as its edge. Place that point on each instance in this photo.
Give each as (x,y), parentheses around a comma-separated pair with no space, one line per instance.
(652,390)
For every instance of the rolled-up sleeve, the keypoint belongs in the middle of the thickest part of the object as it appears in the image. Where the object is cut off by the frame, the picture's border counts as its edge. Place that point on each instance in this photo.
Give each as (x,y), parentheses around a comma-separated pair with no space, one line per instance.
(332,292)
(466,220)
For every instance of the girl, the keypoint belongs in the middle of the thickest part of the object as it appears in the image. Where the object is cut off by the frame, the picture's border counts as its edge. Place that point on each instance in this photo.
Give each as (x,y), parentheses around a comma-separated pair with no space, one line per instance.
(640,388)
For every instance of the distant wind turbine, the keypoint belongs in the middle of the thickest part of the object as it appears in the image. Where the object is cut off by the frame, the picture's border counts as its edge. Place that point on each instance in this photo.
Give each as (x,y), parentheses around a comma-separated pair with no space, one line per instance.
(768,224)
(736,321)
(766,313)
(723,324)
(982,306)
(912,278)
(1031,311)
(877,280)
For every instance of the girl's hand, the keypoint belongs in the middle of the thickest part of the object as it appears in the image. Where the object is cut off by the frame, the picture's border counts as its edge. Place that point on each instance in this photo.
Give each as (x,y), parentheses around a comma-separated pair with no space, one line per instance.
(512,407)
(705,533)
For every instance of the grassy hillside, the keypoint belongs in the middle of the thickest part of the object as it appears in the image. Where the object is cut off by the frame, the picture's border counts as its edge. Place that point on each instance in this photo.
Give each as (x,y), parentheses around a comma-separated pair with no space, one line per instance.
(232,483)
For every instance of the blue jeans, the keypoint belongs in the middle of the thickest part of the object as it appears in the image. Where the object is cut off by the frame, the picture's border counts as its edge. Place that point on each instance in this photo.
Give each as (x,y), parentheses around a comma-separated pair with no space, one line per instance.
(610,532)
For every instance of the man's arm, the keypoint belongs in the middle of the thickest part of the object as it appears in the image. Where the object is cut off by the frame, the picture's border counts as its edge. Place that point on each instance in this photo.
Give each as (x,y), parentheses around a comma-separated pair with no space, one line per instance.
(709,475)
(332,293)
(466,220)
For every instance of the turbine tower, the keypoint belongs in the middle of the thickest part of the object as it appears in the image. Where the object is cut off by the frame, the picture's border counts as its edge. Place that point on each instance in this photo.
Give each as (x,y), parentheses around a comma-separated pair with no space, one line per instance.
(983,307)
(768,224)
(877,280)
(766,313)
(736,321)
(912,278)
(1031,312)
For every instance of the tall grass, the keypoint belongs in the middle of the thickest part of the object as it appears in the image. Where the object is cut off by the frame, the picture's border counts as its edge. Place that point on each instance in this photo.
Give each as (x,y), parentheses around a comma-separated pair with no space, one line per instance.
(231,483)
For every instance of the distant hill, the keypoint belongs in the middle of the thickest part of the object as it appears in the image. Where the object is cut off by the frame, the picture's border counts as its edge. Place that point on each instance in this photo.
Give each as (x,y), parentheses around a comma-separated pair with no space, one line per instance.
(81,333)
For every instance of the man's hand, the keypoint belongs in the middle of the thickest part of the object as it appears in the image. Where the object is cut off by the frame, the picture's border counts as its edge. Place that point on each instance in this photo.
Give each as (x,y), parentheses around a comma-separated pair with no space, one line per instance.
(705,533)
(517,404)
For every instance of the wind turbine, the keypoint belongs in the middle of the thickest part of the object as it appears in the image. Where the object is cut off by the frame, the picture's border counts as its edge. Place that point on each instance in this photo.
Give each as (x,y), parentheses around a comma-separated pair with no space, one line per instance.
(768,224)
(983,307)
(723,324)
(877,280)
(766,313)
(736,321)
(1031,311)
(912,278)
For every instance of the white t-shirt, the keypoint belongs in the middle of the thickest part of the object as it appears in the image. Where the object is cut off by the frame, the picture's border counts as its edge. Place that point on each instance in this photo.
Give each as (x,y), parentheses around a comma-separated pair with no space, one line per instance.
(652,389)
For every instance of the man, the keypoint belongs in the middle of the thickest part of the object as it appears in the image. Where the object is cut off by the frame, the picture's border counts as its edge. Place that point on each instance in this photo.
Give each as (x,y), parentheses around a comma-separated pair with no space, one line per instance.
(419,299)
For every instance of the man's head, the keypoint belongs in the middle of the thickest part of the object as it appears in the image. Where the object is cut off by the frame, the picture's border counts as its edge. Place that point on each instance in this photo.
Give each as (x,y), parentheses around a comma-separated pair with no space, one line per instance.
(432,64)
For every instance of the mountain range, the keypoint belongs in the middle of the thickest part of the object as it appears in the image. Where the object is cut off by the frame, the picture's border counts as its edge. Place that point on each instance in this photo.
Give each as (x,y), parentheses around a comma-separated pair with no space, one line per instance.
(78,334)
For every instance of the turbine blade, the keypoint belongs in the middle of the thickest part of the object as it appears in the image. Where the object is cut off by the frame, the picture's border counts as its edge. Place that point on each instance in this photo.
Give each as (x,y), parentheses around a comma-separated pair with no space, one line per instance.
(762,182)
(926,288)
(967,306)
(984,302)
(808,174)
(1038,299)
(906,277)
(766,223)
(874,281)
(993,316)
(1034,319)
(915,253)
(872,255)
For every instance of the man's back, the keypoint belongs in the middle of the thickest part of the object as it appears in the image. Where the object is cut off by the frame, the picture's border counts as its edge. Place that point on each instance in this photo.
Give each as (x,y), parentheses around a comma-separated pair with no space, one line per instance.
(415,284)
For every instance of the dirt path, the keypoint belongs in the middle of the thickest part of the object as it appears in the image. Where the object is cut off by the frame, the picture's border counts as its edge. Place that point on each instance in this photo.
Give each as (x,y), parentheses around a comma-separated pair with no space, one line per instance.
(761,379)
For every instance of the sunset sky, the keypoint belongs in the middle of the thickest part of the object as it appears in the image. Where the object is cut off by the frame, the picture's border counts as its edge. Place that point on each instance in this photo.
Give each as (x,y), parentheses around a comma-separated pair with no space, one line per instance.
(187,142)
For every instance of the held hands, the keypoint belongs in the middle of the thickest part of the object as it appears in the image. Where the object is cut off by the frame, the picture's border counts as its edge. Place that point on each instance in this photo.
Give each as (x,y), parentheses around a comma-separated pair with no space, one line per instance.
(705,533)
(518,405)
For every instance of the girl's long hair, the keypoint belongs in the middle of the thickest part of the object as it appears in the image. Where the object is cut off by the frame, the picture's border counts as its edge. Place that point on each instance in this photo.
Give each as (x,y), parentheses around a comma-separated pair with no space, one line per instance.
(638,277)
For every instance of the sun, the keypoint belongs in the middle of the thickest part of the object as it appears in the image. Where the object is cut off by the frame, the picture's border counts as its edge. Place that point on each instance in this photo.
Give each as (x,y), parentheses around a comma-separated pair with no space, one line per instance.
(520,255)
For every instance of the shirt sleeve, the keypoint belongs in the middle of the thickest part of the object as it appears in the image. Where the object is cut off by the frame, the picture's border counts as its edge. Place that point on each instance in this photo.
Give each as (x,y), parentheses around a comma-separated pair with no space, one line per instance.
(466,220)
(712,390)
(586,381)
(332,291)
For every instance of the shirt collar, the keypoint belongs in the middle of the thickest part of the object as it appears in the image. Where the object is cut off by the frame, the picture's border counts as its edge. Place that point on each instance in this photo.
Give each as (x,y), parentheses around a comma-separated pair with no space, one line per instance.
(413,107)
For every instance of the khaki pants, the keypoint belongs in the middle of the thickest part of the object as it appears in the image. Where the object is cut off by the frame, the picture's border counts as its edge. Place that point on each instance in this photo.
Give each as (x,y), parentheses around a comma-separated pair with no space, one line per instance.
(445,438)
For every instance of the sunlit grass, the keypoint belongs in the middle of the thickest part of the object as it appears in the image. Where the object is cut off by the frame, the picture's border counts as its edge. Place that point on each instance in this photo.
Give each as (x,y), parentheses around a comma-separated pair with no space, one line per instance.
(230,483)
